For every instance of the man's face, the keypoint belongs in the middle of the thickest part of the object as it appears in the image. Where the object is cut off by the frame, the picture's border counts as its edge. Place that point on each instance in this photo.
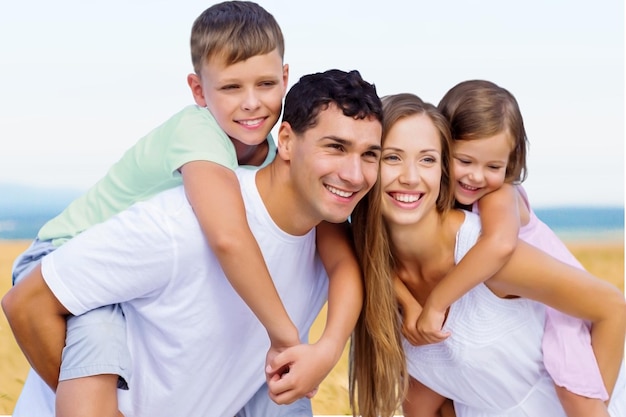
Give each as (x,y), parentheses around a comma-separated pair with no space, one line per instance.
(334,164)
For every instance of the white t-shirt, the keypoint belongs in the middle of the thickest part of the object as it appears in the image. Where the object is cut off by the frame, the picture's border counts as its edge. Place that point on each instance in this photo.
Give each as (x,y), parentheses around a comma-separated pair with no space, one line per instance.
(196,348)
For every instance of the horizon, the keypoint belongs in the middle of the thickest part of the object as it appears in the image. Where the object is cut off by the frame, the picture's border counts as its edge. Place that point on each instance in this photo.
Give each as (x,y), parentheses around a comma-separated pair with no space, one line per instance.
(76,94)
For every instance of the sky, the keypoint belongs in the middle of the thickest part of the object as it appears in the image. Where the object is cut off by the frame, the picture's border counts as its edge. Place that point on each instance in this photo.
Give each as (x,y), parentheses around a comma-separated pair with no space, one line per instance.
(81,82)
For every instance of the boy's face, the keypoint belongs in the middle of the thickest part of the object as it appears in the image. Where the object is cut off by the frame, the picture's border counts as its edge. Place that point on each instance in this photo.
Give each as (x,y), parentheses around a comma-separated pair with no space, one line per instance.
(245,98)
(333,164)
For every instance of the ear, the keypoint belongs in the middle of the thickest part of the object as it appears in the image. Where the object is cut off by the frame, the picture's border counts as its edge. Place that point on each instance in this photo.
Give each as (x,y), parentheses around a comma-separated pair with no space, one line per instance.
(285,78)
(196,89)
(284,141)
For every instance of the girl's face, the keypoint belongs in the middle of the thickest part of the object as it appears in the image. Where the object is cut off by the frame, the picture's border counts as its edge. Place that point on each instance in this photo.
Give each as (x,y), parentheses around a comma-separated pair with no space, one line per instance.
(480,166)
(410,170)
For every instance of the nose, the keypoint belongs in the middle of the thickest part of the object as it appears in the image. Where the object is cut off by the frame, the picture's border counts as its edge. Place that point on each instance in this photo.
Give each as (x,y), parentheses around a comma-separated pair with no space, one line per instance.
(351,170)
(476,175)
(409,174)
(250,100)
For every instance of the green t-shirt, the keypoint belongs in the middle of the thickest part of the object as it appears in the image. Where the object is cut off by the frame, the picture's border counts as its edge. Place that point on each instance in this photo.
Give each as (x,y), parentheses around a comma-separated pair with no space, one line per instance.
(147,168)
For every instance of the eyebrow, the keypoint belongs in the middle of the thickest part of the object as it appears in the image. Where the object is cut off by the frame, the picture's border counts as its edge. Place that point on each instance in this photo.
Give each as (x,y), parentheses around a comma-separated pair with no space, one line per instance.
(391,148)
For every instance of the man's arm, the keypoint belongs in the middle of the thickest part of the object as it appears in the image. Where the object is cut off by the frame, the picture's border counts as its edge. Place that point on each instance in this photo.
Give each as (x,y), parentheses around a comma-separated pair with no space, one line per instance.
(37,320)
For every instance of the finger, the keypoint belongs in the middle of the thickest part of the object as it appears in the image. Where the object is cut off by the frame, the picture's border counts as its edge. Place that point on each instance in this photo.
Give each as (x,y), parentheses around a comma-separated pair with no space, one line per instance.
(312,393)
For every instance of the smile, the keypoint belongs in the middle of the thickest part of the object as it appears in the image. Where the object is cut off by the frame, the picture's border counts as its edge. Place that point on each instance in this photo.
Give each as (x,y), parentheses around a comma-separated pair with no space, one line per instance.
(251,122)
(468,187)
(340,193)
(406,198)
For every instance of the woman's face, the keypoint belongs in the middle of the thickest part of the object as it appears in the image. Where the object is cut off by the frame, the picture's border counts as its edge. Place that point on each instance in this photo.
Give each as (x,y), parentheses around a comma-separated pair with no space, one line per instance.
(410,171)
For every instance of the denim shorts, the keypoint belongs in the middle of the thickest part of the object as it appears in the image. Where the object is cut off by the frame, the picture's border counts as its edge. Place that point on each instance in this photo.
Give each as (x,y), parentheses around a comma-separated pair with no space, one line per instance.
(96,342)
(262,405)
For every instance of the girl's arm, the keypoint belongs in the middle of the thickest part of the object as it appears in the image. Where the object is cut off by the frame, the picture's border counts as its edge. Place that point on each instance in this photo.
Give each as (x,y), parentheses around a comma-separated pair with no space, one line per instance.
(500,221)
(421,401)
(533,274)
(309,365)
(215,196)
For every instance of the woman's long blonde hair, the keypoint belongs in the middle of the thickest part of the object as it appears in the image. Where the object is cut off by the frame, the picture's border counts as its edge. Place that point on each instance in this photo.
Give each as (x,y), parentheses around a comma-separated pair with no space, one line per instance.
(378,375)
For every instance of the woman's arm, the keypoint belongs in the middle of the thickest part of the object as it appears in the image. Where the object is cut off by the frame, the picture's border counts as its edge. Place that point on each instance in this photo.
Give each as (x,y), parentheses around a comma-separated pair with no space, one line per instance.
(411,310)
(533,274)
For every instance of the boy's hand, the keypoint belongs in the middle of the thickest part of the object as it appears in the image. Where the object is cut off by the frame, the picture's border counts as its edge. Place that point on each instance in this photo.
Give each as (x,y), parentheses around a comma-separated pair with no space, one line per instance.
(298,371)
(276,347)
(429,325)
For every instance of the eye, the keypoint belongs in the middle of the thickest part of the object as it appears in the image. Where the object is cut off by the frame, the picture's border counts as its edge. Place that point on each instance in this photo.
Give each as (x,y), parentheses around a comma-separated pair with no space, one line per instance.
(337,146)
(391,157)
(372,155)
(230,87)
(463,161)
(268,83)
(495,167)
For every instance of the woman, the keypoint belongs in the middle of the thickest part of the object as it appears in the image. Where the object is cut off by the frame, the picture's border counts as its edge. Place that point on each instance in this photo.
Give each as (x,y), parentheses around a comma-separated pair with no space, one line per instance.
(491,365)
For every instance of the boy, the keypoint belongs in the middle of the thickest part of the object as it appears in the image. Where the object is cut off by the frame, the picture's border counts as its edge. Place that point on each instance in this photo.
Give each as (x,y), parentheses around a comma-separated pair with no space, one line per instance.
(195,347)
(238,85)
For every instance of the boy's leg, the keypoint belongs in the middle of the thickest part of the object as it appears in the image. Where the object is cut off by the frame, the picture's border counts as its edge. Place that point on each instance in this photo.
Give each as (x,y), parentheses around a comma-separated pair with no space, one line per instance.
(31,257)
(261,405)
(95,362)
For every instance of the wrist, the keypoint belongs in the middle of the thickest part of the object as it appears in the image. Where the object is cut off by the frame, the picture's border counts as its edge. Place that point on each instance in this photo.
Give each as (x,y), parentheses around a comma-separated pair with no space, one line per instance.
(284,336)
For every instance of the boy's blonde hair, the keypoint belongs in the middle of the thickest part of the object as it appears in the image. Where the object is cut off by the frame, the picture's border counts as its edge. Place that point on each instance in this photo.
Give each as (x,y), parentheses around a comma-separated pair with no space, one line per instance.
(234,31)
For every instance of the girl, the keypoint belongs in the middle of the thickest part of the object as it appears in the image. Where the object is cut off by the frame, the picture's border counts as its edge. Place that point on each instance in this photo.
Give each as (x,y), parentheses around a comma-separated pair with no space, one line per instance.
(489,148)
(492,363)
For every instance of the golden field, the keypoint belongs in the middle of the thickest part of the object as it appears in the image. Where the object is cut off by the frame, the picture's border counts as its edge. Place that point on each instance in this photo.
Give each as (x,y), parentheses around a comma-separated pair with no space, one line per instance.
(603,259)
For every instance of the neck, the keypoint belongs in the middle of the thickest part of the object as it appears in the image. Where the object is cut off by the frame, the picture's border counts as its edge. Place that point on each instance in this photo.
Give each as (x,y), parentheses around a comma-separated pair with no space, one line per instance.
(281,200)
(253,155)
(424,251)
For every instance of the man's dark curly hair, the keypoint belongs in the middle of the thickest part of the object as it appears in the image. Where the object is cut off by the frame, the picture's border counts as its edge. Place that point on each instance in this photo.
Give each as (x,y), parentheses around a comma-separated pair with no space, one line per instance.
(315,92)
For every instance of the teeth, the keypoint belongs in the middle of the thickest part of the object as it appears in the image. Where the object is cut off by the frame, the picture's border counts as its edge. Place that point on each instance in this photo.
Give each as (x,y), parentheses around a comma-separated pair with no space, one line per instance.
(251,122)
(340,193)
(469,188)
(406,198)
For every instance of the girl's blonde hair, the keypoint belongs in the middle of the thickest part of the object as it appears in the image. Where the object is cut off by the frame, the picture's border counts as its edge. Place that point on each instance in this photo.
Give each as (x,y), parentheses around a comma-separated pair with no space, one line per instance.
(378,375)
(477,109)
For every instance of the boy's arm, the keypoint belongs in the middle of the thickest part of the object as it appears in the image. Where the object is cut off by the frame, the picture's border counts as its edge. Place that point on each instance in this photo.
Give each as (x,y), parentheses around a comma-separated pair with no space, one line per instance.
(310,364)
(37,320)
(215,196)
(500,221)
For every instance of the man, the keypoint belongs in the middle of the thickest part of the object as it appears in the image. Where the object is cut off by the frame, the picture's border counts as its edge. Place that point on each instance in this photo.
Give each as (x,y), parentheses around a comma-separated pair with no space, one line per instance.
(196,348)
